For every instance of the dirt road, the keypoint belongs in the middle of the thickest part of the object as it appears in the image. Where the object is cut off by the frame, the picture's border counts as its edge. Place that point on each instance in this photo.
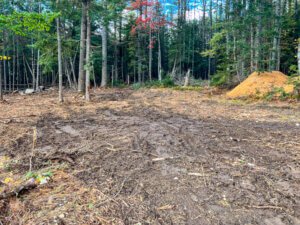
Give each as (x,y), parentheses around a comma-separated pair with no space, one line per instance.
(154,157)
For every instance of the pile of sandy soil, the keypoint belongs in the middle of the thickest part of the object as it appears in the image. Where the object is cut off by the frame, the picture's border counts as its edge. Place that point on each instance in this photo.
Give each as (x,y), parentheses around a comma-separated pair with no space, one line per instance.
(260,83)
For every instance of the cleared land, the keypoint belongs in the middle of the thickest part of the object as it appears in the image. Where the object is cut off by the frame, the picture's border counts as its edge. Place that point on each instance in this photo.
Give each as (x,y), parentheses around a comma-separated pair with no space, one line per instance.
(150,157)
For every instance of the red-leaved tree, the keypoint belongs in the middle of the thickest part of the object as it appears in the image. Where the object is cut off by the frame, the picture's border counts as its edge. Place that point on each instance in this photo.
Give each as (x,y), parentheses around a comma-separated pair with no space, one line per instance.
(149,21)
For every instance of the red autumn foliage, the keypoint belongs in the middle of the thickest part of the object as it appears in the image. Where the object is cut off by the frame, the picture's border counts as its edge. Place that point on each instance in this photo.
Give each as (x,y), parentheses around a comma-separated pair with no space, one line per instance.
(137,4)
(149,20)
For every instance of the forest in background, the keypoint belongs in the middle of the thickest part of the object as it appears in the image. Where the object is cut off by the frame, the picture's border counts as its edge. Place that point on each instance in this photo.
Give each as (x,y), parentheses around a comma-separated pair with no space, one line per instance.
(103,42)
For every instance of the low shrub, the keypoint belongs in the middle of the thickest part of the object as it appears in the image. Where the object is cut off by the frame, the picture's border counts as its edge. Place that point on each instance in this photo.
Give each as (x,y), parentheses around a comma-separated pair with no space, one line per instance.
(167,82)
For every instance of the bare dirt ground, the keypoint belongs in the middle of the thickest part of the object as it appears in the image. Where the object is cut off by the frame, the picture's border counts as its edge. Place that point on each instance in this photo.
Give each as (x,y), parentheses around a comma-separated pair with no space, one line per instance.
(151,157)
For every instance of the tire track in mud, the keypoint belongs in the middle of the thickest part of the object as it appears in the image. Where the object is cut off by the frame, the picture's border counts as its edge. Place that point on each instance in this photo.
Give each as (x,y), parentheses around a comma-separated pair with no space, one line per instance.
(167,168)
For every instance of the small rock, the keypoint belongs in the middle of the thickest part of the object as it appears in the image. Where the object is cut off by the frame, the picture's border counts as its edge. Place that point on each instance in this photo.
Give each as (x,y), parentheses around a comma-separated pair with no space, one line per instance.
(29,91)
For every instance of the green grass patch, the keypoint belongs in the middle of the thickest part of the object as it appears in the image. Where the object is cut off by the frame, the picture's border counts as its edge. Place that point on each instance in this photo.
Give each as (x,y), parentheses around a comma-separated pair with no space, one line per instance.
(188,88)
(277,93)
(167,82)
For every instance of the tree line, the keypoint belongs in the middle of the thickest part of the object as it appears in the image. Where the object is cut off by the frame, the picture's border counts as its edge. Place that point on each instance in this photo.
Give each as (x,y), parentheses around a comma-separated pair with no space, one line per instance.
(84,43)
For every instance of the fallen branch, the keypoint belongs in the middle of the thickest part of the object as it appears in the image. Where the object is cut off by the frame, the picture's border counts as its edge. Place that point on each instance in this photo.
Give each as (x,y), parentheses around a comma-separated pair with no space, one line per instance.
(161,159)
(158,159)
(198,174)
(265,207)
(30,184)
(166,207)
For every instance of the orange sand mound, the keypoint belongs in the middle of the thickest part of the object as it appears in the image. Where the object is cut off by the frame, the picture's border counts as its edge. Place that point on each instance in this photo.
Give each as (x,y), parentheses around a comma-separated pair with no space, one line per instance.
(258,84)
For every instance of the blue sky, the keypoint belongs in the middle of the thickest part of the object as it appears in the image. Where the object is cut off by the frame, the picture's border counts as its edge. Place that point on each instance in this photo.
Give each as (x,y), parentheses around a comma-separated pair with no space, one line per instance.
(170,5)
(195,8)
(191,4)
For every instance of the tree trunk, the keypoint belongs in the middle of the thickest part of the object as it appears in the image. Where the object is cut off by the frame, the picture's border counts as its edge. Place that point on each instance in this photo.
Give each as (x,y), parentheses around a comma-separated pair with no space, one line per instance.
(210,37)
(4,73)
(139,52)
(14,64)
(18,64)
(298,56)
(258,37)
(37,61)
(134,71)
(59,51)
(236,61)
(32,66)
(116,69)
(94,77)
(25,70)
(275,50)
(227,13)
(37,71)
(9,76)
(1,91)
(204,23)
(252,48)
(82,47)
(104,56)
(88,63)
(73,72)
(159,59)
(4,62)
(187,78)
(67,72)
(150,55)
(121,55)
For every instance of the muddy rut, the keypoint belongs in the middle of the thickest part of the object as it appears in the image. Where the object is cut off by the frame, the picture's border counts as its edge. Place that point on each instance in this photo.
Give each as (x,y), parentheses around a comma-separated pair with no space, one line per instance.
(161,167)
(203,171)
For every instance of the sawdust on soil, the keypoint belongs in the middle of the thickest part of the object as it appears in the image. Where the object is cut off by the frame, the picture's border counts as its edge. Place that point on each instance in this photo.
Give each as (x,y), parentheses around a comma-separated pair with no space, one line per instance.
(260,83)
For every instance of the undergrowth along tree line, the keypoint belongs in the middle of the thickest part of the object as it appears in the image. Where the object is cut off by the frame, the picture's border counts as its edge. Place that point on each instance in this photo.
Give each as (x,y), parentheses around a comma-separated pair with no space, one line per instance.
(112,42)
